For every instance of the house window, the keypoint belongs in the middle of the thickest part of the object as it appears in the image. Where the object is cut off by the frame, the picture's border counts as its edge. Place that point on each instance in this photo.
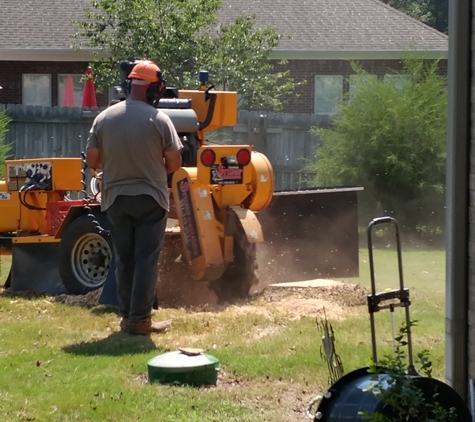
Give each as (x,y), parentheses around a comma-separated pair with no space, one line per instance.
(70,90)
(328,93)
(354,80)
(398,80)
(36,89)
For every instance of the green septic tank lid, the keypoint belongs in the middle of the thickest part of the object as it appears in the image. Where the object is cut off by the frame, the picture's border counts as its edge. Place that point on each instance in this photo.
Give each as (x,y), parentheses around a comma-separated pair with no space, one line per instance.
(183,366)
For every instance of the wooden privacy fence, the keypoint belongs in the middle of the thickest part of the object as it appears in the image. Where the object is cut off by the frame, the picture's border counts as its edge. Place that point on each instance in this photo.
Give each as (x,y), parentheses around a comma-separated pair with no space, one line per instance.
(284,138)
(37,132)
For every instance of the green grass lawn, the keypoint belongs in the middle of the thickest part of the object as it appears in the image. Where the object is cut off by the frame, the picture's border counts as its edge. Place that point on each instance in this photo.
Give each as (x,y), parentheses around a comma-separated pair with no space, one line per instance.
(424,275)
(70,363)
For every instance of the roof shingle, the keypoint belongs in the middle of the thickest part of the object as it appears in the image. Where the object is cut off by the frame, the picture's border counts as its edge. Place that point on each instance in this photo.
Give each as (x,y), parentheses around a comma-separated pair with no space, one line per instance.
(38,24)
(313,25)
(328,25)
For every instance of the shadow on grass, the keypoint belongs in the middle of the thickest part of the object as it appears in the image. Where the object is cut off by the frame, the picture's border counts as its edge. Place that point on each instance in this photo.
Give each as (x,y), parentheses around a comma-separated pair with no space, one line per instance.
(116,344)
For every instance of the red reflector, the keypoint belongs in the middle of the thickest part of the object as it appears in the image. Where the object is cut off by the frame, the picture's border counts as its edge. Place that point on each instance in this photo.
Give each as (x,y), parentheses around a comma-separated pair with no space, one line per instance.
(208,157)
(243,157)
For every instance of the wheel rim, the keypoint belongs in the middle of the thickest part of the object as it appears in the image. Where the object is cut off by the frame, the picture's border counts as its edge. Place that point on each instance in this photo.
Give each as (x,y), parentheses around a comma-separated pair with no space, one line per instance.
(90,260)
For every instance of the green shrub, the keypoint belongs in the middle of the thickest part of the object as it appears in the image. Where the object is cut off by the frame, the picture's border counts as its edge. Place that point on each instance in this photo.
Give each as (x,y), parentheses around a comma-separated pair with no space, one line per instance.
(391,140)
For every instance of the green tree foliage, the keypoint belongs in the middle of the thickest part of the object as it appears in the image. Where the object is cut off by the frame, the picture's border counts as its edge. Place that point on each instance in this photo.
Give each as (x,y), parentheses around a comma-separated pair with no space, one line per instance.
(391,141)
(238,61)
(4,149)
(434,13)
(440,13)
(182,36)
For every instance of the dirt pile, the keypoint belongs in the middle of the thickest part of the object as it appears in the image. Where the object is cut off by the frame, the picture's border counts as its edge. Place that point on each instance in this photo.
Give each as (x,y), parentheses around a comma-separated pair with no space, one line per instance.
(334,301)
(89,299)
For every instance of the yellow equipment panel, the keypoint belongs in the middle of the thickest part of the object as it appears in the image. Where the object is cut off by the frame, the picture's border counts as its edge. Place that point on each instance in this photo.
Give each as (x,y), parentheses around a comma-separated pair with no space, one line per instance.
(9,209)
(200,230)
(232,183)
(225,109)
(49,174)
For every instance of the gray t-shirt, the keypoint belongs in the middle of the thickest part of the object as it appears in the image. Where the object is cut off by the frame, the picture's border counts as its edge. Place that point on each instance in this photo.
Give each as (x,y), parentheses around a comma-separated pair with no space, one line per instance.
(132,136)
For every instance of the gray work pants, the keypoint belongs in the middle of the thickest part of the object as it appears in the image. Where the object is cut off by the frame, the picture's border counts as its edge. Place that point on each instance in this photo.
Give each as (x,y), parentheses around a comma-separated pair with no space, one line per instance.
(137,228)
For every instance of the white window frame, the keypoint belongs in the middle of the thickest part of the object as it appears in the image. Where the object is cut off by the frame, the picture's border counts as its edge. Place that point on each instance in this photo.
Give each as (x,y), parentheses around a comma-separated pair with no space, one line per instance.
(338,79)
(42,95)
(78,88)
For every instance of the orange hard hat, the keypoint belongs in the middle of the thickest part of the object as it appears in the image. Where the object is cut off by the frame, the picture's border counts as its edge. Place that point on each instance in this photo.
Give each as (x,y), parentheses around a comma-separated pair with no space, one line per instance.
(145,70)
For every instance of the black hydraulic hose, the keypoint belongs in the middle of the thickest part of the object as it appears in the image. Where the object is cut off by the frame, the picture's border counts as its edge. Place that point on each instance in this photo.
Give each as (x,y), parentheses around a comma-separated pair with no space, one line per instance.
(25,189)
(209,115)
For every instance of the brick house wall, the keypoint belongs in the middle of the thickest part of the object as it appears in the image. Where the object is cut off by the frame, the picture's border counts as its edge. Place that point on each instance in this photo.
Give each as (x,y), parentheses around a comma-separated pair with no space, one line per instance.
(11,77)
(307,70)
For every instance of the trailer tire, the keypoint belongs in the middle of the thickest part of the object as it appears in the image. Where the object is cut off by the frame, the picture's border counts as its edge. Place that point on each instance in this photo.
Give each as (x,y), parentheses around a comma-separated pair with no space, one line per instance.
(240,276)
(85,254)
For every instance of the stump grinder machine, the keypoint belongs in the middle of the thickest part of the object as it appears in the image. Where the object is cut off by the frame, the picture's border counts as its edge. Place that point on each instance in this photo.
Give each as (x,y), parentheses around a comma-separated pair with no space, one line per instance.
(60,244)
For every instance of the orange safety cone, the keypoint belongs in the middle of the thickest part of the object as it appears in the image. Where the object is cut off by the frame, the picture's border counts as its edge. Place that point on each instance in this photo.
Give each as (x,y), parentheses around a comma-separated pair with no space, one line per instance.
(89,93)
(68,93)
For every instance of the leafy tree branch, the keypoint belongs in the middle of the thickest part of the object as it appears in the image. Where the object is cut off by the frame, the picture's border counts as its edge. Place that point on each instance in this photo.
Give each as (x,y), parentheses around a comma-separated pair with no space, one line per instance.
(183,37)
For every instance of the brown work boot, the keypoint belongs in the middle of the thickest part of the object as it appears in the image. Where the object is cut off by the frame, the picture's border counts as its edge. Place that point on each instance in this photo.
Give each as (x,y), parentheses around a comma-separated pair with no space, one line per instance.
(146,327)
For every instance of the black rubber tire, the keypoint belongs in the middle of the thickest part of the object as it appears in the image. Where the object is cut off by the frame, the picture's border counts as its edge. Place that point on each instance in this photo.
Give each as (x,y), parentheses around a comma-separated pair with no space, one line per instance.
(85,254)
(240,275)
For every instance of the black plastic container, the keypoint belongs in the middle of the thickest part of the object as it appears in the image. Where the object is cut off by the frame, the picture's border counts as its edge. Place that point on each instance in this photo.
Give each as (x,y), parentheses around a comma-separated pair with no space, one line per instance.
(349,396)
